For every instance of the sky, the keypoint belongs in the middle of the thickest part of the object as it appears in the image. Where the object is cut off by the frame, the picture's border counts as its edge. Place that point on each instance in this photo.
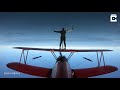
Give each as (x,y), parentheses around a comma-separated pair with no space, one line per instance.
(36,29)
(91,30)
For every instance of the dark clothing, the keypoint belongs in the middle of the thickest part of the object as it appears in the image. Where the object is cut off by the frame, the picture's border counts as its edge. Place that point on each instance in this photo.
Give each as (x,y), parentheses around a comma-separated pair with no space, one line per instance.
(63,33)
(62,38)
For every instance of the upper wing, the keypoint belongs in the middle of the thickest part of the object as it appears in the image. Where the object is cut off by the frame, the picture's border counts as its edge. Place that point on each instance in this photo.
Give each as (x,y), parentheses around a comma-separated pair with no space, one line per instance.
(63,50)
(28,69)
(95,71)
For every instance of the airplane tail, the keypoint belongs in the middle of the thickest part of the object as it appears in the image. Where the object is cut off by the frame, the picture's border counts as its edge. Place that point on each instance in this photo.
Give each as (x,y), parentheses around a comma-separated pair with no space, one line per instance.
(95,71)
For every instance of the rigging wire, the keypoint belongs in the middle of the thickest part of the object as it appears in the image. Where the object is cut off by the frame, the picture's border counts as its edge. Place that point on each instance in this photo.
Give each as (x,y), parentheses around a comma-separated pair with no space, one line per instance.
(75,66)
(42,60)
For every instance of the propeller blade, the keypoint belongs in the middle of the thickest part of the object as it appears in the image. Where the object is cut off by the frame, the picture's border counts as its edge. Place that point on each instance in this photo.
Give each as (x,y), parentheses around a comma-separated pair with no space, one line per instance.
(87,59)
(37,57)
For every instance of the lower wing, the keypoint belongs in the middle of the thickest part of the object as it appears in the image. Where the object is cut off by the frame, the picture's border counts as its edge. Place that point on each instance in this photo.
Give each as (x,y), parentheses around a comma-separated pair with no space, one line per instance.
(95,71)
(28,69)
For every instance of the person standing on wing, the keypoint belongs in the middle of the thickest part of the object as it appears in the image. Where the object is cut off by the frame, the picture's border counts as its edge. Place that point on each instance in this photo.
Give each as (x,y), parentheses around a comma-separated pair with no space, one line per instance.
(63,37)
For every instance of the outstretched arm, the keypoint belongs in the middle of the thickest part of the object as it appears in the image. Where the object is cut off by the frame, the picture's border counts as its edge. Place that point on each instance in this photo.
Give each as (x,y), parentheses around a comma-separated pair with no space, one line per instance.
(68,30)
(57,31)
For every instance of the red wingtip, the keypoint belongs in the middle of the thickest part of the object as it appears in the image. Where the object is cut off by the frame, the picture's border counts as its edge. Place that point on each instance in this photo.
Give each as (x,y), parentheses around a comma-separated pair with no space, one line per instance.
(28,69)
(89,72)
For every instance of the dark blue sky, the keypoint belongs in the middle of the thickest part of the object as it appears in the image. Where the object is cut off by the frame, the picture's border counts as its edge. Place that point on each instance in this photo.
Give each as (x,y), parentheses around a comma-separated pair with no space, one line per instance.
(91,29)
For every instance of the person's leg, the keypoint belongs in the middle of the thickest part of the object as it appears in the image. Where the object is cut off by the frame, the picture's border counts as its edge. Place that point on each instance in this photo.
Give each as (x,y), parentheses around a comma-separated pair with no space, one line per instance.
(65,43)
(60,43)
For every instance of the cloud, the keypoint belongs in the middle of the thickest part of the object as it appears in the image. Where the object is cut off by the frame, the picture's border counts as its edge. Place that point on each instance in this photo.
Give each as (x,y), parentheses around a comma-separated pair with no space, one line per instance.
(90,39)
(21,38)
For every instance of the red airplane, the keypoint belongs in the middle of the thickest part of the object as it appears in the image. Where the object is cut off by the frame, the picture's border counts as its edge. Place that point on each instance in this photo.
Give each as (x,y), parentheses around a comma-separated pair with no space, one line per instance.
(62,68)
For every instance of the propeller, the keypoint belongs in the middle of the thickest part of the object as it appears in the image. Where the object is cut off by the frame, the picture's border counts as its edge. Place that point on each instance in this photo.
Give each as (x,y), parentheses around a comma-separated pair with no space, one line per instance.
(37,57)
(88,59)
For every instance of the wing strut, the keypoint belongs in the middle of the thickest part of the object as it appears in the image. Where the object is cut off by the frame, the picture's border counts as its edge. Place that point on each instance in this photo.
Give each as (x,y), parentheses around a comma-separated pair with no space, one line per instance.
(24,56)
(53,53)
(70,55)
(100,58)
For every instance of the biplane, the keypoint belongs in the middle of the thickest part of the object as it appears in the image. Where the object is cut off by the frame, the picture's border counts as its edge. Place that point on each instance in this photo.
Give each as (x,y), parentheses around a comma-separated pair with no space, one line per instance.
(62,68)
